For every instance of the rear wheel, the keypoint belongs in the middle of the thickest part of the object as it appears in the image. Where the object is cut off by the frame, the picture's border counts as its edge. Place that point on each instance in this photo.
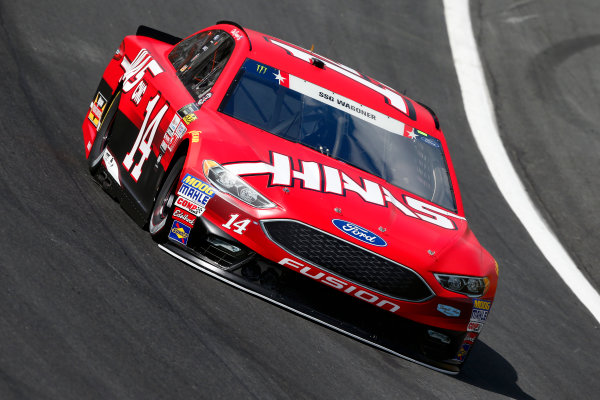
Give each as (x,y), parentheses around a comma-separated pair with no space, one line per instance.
(160,219)
(97,150)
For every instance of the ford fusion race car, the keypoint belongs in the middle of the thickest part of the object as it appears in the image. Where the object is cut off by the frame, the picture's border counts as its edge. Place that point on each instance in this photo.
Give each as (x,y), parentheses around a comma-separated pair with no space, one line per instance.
(295,178)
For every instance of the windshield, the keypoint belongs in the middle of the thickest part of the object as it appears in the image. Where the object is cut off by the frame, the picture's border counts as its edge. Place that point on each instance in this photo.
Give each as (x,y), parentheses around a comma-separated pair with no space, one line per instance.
(341,128)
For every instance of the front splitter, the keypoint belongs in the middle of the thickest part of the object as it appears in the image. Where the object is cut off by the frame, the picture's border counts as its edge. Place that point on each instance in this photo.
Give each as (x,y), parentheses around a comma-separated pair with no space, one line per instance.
(342,313)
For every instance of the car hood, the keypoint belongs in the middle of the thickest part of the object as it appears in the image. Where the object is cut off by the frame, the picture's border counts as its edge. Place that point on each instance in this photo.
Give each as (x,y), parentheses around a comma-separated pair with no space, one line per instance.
(305,185)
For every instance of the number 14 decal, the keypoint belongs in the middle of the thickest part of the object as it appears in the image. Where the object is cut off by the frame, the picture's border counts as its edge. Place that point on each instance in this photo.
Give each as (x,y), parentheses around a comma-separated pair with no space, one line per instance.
(239,227)
(144,138)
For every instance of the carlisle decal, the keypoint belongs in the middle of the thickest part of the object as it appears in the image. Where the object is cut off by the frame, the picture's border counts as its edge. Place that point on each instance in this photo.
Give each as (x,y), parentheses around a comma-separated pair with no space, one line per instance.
(359,233)
(326,179)
(96,109)
(180,232)
(195,190)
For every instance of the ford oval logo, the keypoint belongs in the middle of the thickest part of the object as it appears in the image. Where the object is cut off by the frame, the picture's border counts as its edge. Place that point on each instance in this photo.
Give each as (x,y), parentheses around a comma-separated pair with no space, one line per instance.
(358,232)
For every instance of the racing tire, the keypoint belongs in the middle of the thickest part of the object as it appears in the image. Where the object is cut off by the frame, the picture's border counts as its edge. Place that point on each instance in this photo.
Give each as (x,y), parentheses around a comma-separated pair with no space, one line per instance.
(160,218)
(97,150)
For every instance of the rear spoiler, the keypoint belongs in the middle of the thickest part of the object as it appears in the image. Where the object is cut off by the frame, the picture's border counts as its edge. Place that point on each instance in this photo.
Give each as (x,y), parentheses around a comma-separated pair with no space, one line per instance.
(146,31)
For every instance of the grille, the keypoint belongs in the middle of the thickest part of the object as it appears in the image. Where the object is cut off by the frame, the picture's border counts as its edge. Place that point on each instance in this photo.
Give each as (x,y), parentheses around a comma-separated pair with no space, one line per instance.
(347,260)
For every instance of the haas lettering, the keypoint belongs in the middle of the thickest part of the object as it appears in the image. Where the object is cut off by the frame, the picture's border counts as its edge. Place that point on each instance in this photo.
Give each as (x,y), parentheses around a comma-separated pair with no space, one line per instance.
(315,176)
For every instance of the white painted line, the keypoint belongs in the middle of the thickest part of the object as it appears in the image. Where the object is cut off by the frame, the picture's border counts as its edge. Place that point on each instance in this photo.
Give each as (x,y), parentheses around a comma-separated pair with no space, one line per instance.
(482,120)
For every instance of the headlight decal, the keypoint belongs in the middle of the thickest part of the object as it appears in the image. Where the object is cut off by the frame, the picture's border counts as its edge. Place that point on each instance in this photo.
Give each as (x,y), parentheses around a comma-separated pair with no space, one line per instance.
(472,286)
(233,185)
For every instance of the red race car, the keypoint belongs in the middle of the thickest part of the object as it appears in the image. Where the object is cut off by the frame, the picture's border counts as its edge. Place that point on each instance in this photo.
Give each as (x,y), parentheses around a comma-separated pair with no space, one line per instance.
(295,178)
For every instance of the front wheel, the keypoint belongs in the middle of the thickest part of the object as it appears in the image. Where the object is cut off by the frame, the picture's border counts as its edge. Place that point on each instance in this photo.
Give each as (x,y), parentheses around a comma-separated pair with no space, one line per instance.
(159,221)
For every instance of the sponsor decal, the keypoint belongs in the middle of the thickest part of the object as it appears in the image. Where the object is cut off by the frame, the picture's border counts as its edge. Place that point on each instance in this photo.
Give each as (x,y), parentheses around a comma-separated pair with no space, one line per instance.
(134,71)
(470,337)
(339,284)
(195,136)
(448,311)
(203,99)
(482,304)
(479,315)
(481,308)
(174,132)
(187,109)
(416,134)
(190,206)
(111,165)
(467,343)
(180,232)
(138,93)
(96,109)
(195,190)
(430,141)
(181,129)
(175,122)
(474,327)
(326,179)
(187,113)
(189,118)
(184,216)
(359,233)
(237,35)
(262,70)
(462,353)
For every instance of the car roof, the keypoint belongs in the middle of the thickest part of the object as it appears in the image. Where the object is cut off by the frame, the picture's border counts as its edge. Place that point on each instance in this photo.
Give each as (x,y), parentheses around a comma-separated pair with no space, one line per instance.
(351,84)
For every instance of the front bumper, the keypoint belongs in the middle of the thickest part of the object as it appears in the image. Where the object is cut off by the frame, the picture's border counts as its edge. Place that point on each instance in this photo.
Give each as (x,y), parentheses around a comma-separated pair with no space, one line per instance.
(228,260)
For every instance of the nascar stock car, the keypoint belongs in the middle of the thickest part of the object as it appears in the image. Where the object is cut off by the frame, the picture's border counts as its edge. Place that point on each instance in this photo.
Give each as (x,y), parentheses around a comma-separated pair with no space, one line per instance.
(297,179)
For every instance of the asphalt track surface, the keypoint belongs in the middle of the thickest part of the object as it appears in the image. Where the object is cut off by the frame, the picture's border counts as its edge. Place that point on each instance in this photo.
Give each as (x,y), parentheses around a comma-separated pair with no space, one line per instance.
(91,308)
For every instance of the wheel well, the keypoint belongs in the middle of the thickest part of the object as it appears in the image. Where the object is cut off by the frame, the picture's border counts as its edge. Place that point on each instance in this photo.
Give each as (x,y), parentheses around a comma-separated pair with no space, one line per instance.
(181,151)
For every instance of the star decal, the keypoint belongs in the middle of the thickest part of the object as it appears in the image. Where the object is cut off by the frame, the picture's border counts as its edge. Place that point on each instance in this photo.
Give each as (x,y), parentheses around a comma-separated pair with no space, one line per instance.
(280,78)
(412,134)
